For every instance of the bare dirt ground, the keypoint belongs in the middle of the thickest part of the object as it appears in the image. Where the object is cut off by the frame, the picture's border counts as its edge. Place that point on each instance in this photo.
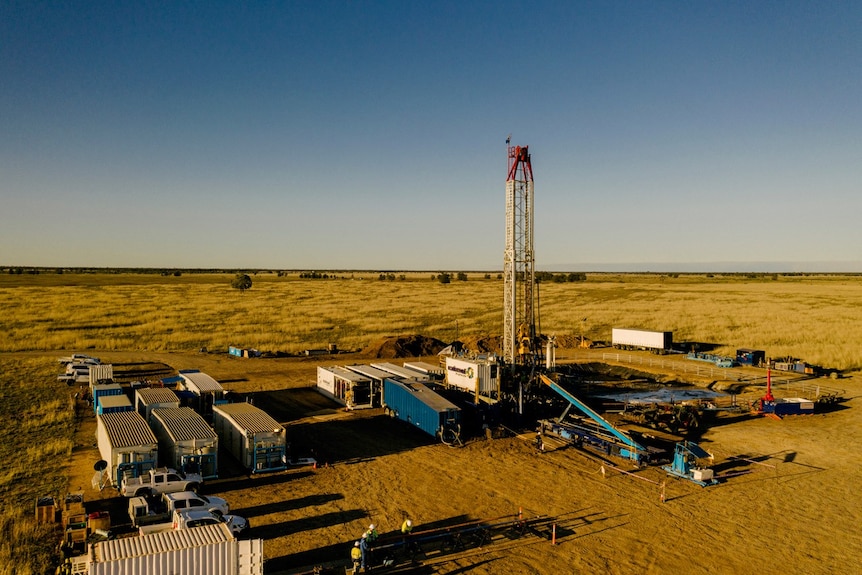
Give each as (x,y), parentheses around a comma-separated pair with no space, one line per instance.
(792,503)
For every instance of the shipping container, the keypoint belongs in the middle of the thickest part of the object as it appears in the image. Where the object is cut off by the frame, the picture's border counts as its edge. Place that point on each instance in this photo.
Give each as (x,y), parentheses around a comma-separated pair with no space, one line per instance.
(480,377)
(640,339)
(208,391)
(186,441)
(789,406)
(99,390)
(113,404)
(418,405)
(347,387)
(127,444)
(209,549)
(257,441)
(148,399)
(435,372)
(101,373)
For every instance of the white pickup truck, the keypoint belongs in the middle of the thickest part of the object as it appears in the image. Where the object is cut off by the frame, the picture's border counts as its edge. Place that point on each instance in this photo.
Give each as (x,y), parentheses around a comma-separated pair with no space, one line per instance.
(144,511)
(161,480)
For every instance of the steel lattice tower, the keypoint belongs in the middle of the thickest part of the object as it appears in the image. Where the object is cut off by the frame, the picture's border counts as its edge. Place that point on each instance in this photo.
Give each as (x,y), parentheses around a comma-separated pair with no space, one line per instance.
(519,326)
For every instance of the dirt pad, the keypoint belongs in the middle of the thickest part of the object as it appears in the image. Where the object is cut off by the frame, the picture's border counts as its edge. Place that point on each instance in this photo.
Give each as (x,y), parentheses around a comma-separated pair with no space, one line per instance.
(789,501)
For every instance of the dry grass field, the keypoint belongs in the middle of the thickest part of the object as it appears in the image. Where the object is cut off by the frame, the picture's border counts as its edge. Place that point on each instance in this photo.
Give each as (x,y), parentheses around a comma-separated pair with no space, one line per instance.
(792,504)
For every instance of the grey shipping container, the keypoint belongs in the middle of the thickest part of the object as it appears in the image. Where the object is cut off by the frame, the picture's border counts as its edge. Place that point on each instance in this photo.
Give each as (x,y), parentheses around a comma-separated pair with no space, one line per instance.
(126,443)
(257,440)
(208,549)
(186,441)
(419,405)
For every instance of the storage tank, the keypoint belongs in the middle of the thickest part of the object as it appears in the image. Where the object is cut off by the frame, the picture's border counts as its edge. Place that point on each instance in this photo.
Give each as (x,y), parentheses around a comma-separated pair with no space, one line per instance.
(257,441)
(127,444)
(186,441)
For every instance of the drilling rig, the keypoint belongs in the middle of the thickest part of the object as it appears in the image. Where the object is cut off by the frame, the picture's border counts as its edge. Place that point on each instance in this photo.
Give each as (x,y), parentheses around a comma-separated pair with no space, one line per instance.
(519,325)
(520,342)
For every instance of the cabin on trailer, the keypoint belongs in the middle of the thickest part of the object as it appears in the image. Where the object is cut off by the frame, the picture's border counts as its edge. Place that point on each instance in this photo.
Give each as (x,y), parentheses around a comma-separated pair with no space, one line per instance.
(127,444)
(186,441)
(254,438)
(350,389)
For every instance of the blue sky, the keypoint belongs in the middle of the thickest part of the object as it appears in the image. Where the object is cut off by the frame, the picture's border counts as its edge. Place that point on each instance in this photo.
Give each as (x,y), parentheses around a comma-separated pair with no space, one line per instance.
(371,135)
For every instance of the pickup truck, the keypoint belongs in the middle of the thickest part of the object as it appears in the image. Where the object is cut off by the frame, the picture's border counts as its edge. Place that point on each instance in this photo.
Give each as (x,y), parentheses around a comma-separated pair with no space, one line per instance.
(160,480)
(152,510)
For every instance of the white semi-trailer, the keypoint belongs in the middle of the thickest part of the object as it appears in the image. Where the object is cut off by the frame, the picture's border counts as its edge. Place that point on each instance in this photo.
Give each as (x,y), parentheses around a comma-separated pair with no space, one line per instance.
(641,339)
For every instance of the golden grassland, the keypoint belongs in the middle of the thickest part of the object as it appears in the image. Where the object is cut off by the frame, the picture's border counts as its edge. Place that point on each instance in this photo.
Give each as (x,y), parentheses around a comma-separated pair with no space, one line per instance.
(815,318)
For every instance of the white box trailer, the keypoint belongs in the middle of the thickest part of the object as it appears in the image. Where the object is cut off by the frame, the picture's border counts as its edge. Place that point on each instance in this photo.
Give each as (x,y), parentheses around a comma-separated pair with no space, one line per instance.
(641,339)
(347,387)
(127,444)
(209,549)
(429,369)
(480,377)
(186,441)
(402,372)
(376,376)
(257,440)
(150,398)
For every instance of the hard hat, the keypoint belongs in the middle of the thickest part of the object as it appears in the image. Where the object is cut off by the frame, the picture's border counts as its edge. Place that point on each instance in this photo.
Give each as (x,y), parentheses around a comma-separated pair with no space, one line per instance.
(371,526)
(409,522)
(364,535)
(356,544)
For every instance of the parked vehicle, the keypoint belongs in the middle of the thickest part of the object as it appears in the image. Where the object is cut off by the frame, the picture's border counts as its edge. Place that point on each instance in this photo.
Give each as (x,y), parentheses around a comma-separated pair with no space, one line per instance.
(152,510)
(641,339)
(161,480)
(188,518)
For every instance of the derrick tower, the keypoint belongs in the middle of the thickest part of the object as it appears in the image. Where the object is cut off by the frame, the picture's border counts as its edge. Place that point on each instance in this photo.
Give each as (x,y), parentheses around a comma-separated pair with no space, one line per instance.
(519,326)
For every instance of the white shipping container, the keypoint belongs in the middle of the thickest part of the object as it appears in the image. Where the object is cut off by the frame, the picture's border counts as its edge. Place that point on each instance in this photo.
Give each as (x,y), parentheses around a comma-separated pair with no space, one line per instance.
(401,371)
(101,372)
(209,549)
(186,441)
(475,376)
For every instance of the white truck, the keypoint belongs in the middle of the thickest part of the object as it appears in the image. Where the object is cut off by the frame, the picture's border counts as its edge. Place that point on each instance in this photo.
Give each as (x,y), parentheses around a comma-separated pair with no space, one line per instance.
(213,549)
(150,511)
(641,339)
(161,480)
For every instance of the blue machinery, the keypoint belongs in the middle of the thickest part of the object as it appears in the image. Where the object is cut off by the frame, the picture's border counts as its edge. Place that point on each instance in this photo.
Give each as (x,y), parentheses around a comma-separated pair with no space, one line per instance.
(684,464)
(599,435)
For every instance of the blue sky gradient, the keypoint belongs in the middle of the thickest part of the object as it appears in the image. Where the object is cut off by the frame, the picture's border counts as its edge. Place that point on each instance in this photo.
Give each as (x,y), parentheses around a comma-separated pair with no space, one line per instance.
(371,135)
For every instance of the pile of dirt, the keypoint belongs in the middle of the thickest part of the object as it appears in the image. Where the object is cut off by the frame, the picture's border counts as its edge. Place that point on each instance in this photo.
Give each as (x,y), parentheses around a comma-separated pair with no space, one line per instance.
(483,344)
(404,346)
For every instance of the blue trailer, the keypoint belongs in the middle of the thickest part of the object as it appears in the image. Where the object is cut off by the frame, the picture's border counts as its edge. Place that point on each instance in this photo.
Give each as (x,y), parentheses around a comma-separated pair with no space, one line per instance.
(419,405)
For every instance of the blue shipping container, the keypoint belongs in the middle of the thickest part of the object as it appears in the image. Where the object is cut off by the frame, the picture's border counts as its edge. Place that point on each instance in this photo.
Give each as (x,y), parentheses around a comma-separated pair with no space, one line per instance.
(419,405)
